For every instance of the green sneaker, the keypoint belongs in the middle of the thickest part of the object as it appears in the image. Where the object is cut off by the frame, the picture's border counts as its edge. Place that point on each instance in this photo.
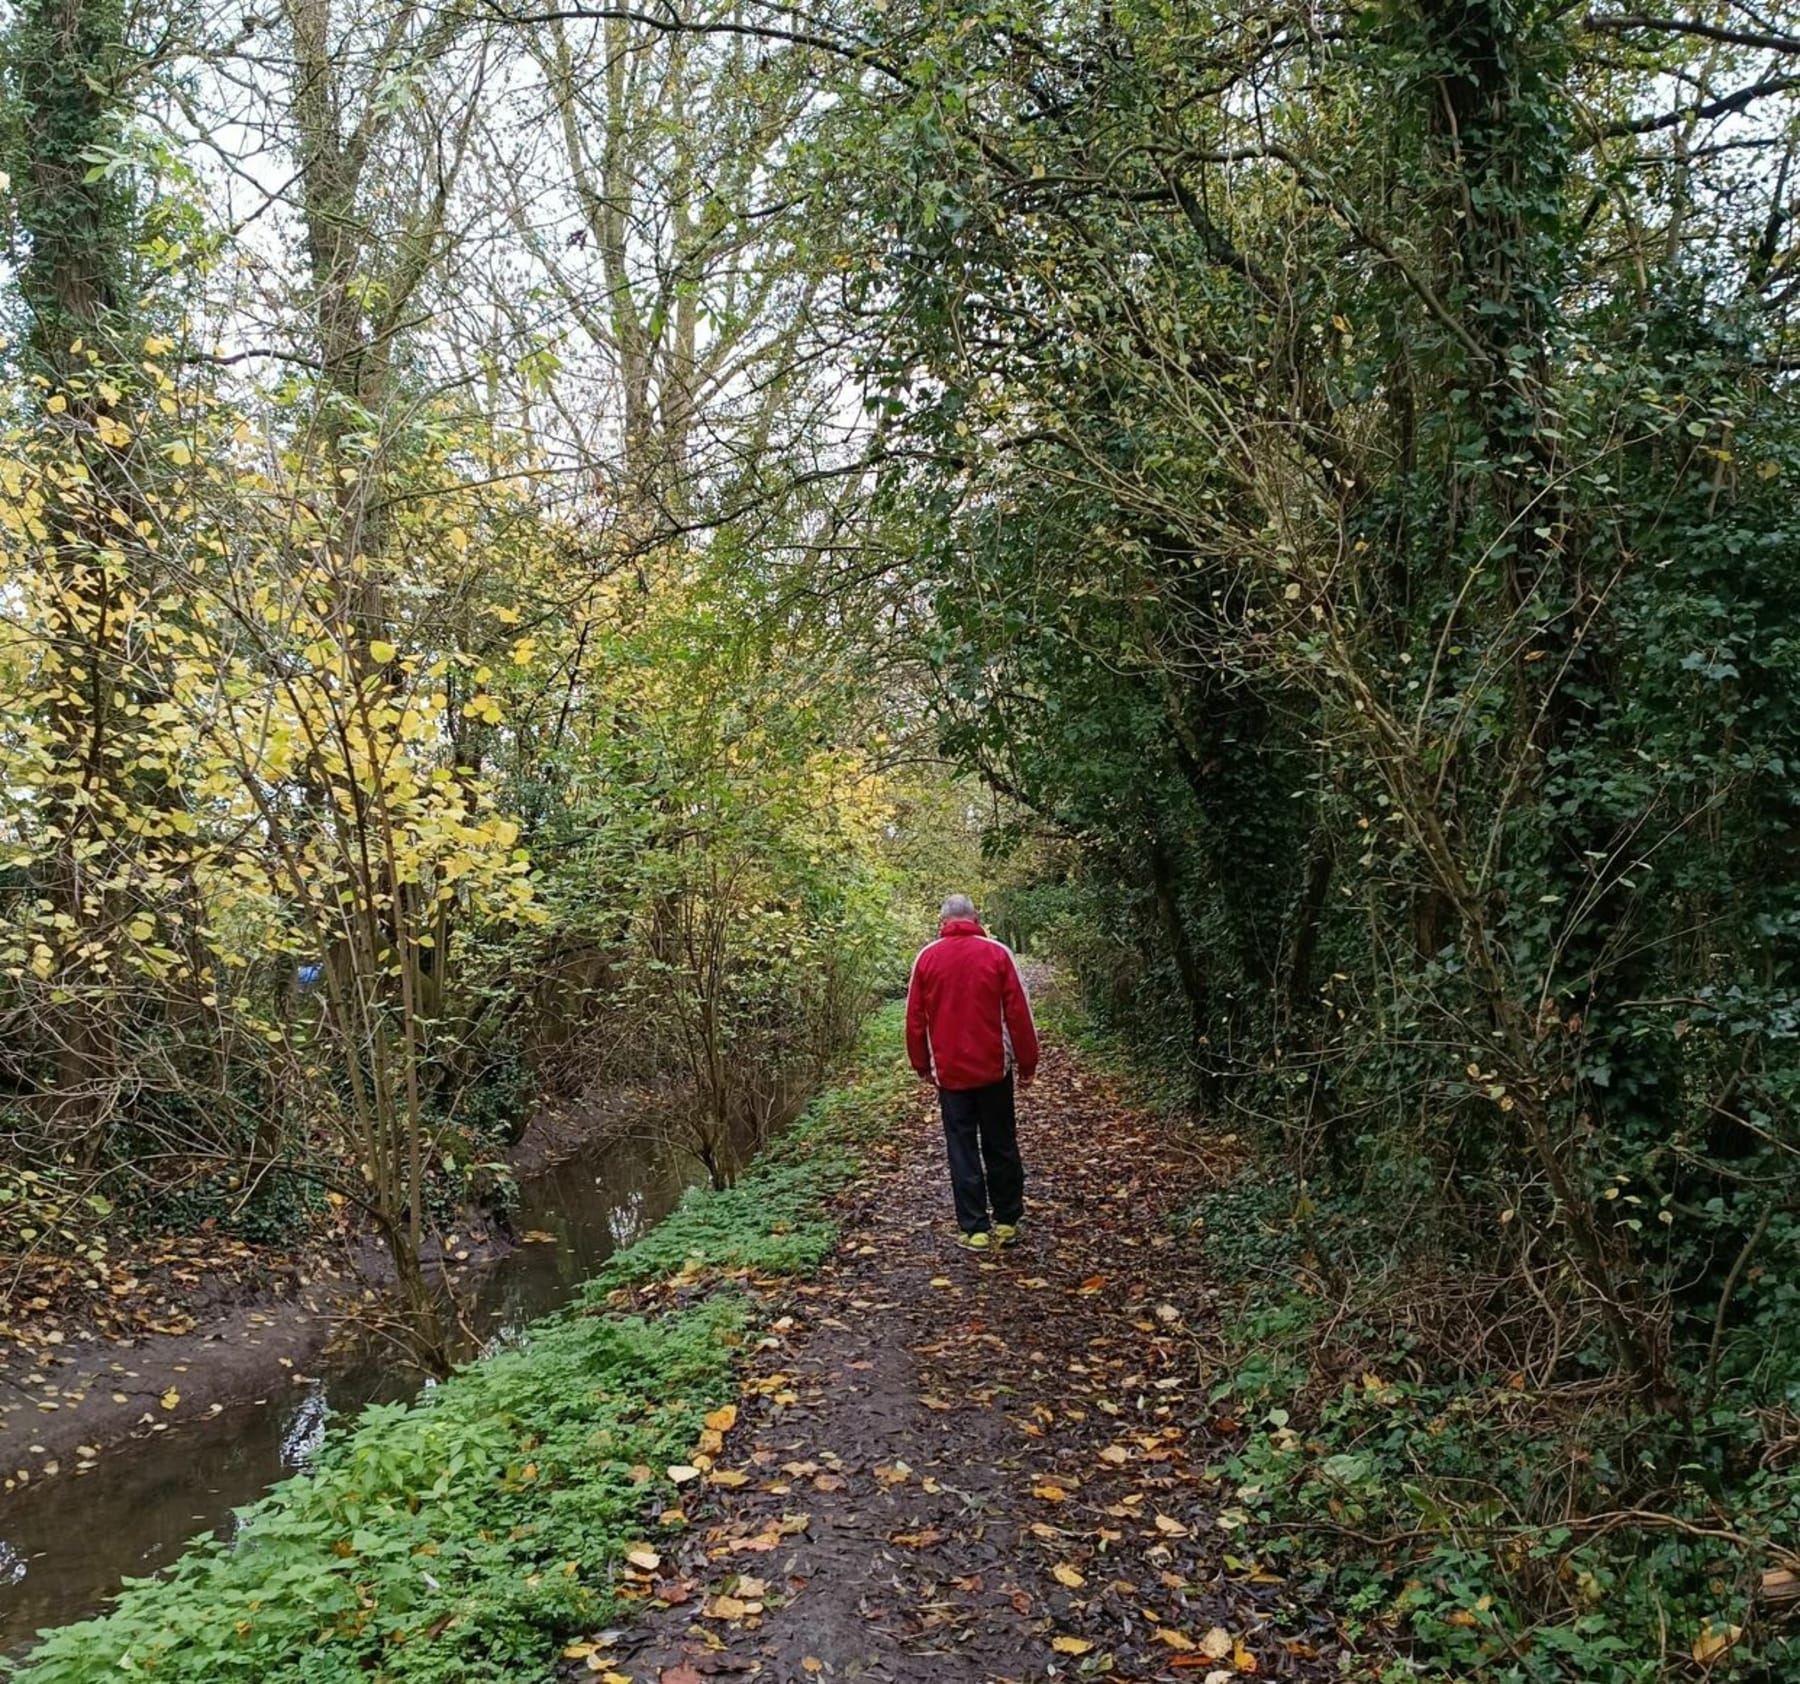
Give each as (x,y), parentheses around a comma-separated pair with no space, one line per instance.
(975,1242)
(1006,1233)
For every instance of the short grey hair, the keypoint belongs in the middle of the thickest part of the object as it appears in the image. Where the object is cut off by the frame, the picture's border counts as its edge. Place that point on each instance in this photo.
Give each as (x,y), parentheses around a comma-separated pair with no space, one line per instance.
(958,906)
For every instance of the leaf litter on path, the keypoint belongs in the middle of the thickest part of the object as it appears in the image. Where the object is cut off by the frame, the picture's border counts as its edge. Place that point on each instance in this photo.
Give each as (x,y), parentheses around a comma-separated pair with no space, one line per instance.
(979,1468)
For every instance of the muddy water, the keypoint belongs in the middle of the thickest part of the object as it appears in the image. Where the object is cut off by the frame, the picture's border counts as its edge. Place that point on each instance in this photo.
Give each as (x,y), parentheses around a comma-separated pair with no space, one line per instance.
(64,1546)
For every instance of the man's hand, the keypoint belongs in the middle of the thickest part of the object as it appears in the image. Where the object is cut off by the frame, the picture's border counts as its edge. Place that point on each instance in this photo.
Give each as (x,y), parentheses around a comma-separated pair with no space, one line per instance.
(1025,1081)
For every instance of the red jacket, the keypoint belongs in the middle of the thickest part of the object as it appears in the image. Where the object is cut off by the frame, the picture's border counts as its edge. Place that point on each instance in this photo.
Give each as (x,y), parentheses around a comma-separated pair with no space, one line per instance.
(967,1019)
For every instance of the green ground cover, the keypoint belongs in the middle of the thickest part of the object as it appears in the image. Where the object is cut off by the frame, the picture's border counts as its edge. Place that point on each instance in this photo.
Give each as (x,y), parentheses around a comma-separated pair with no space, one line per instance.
(461,1538)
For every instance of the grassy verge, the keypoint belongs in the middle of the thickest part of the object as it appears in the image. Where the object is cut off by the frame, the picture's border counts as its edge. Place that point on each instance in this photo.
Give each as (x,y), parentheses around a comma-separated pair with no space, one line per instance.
(1464,1525)
(461,1538)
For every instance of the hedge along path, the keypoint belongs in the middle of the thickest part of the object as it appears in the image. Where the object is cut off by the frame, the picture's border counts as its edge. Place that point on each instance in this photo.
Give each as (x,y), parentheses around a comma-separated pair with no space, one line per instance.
(950,1467)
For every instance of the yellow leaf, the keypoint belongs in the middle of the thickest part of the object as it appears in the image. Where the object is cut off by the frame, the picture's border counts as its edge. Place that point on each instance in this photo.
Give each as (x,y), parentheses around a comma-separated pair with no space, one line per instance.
(170,1398)
(1070,1645)
(645,1557)
(1216,1644)
(57,404)
(1174,1639)
(730,1478)
(722,1420)
(1170,1527)
(681,1474)
(1715,1641)
(1050,1493)
(381,651)
(1064,1574)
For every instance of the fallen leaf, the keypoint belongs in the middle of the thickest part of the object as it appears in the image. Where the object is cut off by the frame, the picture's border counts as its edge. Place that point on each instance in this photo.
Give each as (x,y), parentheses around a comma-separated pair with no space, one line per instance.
(723,1419)
(681,1474)
(918,1540)
(1715,1641)
(1170,1527)
(645,1557)
(1174,1639)
(731,1478)
(1216,1644)
(170,1398)
(1092,1284)
(1064,1574)
(1063,1646)
(1050,1493)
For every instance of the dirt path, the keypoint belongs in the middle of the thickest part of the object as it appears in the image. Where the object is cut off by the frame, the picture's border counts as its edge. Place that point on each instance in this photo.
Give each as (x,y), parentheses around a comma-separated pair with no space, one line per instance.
(949,1467)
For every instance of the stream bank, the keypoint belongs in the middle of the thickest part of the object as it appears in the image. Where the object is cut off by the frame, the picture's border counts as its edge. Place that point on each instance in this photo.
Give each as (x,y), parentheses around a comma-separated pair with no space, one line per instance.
(115,1455)
(461,1535)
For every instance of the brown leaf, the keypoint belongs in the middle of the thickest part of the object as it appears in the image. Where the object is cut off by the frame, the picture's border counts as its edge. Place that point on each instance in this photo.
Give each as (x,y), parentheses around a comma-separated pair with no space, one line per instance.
(918,1540)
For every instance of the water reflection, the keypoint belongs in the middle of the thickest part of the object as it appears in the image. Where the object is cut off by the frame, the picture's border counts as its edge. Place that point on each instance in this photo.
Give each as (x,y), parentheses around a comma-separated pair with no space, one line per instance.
(65,1545)
(305,1430)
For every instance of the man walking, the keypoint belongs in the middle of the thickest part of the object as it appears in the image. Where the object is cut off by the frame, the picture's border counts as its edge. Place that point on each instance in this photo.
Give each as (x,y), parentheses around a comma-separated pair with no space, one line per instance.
(969,1029)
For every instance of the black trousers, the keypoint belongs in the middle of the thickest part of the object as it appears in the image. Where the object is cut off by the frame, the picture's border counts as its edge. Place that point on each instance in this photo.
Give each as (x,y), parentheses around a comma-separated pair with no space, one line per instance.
(981,1132)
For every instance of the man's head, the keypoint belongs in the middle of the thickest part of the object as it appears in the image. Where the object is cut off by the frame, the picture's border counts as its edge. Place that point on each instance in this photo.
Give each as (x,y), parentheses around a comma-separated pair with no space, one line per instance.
(958,906)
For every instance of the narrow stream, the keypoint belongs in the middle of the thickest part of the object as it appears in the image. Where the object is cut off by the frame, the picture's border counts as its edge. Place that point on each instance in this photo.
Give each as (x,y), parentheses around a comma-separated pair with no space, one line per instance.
(65,1544)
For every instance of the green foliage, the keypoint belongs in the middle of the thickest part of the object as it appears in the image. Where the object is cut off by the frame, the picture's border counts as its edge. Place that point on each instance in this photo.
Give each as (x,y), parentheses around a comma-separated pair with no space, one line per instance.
(770,1221)
(455,1540)
(1497,1535)
(448,1539)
